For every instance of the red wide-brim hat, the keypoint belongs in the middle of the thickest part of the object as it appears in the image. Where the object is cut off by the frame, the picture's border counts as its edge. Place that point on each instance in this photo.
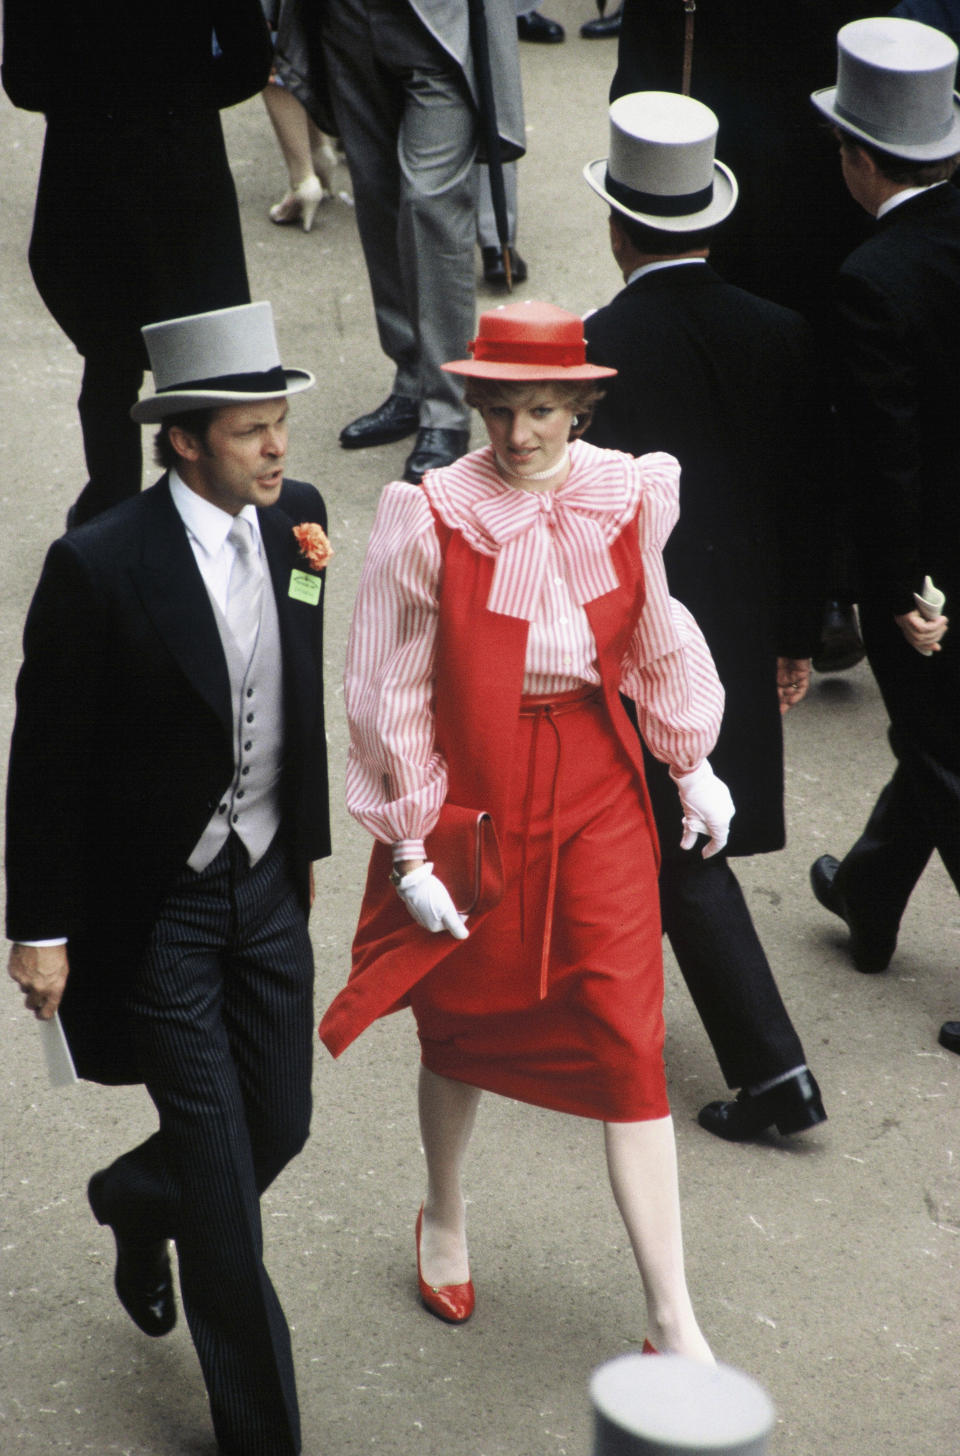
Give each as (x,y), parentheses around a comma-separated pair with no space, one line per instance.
(527,342)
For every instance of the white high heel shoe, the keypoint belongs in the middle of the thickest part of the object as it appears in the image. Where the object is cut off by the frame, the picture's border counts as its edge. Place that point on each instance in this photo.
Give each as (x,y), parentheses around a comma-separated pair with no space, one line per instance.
(300,204)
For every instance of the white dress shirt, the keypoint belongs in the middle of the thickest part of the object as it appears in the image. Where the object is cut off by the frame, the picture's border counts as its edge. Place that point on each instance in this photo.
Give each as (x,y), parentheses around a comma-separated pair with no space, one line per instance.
(207,529)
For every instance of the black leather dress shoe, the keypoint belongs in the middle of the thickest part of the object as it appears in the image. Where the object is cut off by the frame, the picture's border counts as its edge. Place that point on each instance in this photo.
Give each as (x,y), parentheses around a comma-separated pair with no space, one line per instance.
(434,447)
(603,25)
(396,418)
(869,954)
(841,646)
(494,271)
(791,1106)
(539,28)
(143,1278)
(950,1036)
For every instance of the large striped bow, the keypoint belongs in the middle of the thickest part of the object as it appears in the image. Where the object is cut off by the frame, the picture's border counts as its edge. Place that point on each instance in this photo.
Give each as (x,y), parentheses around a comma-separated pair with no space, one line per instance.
(582,519)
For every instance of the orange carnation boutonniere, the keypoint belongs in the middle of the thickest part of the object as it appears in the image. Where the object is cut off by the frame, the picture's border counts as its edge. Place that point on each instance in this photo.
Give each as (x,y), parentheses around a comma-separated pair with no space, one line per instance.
(316,550)
(314,544)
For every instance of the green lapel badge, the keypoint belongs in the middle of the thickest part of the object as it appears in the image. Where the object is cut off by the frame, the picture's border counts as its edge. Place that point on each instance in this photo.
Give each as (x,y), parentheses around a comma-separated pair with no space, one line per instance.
(304,587)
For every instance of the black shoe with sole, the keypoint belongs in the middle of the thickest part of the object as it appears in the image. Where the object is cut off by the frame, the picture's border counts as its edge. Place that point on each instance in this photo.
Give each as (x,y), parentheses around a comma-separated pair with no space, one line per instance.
(539,29)
(950,1036)
(434,448)
(841,646)
(143,1278)
(603,26)
(791,1106)
(493,268)
(396,418)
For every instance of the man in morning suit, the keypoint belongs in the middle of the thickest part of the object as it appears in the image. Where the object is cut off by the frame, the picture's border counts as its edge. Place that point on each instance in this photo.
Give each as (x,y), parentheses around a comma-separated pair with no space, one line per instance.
(898,294)
(725,382)
(166,796)
(132,96)
(405,87)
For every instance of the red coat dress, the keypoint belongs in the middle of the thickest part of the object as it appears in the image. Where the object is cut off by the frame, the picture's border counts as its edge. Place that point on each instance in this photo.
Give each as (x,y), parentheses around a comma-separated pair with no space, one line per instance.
(556,997)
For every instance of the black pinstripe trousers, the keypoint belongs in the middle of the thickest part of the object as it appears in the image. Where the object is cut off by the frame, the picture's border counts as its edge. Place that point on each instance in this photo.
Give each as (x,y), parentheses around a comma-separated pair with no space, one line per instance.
(222,1014)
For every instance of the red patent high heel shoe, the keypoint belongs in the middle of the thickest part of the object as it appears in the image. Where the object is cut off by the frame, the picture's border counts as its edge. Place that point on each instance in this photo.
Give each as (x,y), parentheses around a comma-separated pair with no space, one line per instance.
(649,1349)
(451,1302)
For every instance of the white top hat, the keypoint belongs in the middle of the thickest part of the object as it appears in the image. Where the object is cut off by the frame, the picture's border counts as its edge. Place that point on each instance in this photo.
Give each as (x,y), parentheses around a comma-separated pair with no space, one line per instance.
(661,169)
(666,1405)
(228,356)
(895,88)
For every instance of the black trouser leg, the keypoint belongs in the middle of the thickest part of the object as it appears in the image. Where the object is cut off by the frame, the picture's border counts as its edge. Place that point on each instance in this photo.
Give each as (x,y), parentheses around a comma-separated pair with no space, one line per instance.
(877,875)
(111,439)
(223,1017)
(917,812)
(726,970)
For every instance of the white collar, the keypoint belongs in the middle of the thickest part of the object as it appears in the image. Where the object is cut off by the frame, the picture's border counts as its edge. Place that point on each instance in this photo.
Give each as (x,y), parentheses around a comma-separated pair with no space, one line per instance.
(646,268)
(206,523)
(904,196)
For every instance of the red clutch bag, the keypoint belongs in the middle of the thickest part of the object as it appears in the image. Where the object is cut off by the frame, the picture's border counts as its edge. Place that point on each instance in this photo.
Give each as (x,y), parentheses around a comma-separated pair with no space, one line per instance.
(465,852)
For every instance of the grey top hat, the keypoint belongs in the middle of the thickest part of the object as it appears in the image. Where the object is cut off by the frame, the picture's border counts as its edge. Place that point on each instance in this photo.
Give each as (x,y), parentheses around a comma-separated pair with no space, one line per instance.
(661,169)
(895,88)
(228,356)
(665,1405)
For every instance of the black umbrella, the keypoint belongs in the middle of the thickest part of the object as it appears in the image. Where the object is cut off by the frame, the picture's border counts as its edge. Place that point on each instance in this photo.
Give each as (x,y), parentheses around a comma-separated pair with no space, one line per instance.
(689,8)
(490,133)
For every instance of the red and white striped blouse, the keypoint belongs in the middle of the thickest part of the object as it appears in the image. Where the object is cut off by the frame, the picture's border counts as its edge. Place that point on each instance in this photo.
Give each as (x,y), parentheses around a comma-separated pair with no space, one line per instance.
(552,555)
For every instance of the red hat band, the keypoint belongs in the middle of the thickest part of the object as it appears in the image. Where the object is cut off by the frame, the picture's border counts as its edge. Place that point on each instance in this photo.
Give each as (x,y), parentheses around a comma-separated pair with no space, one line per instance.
(538,351)
(528,341)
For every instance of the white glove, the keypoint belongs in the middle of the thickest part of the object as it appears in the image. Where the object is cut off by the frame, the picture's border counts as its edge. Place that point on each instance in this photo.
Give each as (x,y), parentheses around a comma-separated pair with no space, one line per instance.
(707,807)
(428,901)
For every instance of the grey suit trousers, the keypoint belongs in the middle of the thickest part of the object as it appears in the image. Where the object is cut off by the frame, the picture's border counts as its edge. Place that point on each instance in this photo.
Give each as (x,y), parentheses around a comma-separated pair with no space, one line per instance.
(409,129)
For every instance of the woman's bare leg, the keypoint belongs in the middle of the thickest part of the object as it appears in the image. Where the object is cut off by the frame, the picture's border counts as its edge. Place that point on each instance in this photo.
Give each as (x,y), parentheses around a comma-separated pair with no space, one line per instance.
(642,1162)
(447,1113)
(292,127)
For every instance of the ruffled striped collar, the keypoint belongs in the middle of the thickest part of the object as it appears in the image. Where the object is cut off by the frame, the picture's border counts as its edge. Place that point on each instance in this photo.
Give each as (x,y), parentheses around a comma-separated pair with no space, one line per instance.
(582,519)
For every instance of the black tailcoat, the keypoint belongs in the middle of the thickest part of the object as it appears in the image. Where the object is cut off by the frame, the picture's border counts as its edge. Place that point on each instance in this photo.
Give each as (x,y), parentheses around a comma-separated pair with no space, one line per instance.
(122,744)
(899,312)
(725,382)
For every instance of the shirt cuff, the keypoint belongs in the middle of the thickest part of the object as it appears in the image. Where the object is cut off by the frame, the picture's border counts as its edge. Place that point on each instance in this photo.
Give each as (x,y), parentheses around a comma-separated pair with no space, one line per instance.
(57,940)
(409,849)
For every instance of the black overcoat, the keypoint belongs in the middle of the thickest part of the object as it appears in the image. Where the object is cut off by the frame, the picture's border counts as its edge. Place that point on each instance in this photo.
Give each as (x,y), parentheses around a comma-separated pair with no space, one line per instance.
(725,382)
(122,744)
(136,217)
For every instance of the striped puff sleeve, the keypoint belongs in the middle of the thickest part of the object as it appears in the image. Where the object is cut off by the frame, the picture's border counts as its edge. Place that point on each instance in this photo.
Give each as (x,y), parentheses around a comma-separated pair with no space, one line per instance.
(396,780)
(668,670)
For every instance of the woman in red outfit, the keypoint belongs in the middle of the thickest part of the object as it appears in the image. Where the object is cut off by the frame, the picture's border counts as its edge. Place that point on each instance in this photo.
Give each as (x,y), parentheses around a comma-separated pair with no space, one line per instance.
(505,605)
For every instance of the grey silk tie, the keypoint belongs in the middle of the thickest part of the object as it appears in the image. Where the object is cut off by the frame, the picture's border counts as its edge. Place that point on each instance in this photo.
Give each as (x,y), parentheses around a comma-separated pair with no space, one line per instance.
(246,587)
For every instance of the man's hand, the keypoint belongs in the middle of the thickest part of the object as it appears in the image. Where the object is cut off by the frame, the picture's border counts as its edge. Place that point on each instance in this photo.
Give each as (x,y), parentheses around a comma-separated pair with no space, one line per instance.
(793,679)
(41,973)
(923,636)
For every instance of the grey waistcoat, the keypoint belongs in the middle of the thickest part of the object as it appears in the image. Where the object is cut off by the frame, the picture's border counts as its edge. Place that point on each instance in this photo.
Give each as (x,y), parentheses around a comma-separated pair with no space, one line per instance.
(251,805)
